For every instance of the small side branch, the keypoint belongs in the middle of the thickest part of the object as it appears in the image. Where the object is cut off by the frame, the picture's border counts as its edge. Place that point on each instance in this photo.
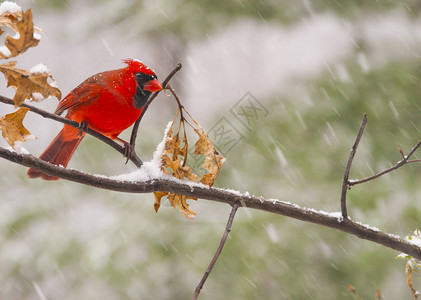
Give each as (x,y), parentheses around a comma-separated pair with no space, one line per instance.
(180,107)
(345,182)
(399,164)
(218,251)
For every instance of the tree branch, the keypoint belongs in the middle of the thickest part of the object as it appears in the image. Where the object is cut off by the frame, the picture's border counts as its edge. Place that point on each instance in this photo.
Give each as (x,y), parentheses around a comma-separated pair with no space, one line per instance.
(345,181)
(399,164)
(223,196)
(218,251)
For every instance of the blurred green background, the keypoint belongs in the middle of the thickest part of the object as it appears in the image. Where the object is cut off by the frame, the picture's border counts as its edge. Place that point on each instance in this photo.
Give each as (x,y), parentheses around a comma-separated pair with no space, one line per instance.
(312,67)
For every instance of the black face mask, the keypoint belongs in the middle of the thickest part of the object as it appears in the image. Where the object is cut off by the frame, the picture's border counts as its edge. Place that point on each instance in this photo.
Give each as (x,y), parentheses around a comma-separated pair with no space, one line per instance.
(141,96)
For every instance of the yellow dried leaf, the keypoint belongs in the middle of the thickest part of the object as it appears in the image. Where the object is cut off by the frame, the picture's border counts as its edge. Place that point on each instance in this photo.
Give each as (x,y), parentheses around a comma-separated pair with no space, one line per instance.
(170,142)
(172,146)
(203,144)
(26,83)
(158,196)
(415,293)
(25,34)
(175,150)
(10,19)
(12,127)
(185,149)
(171,198)
(183,207)
(213,161)
(187,172)
(208,179)
(167,162)
(174,158)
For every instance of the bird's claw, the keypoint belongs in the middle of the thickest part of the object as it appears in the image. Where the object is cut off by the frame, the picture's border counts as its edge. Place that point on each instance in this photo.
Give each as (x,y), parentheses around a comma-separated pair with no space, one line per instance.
(83,127)
(128,151)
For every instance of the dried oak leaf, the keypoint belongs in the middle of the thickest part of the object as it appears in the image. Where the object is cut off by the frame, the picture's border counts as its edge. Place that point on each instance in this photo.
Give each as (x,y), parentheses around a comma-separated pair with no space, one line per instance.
(181,202)
(24,38)
(168,163)
(213,161)
(10,19)
(172,160)
(12,127)
(188,173)
(26,83)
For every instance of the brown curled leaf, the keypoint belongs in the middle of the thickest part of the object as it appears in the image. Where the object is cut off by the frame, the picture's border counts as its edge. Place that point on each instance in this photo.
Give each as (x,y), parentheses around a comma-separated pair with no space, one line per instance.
(24,38)
(158,196)
(409,270)
(174,158)
(12,128)
(28,84)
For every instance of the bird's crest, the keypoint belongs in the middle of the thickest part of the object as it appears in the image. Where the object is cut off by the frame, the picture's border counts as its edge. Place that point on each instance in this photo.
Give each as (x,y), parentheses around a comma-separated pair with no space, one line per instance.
(136,66)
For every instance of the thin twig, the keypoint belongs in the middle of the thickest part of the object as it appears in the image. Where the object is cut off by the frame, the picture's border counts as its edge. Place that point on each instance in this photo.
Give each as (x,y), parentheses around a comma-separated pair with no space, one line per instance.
(218,251)
(345,182)
(180,107)
(413,161)
(164,85)
(401,152)
(399,164)
(134,158)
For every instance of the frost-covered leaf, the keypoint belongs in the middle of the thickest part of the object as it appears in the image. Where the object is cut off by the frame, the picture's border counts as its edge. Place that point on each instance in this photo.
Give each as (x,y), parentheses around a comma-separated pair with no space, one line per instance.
(9,14)
(173,159)
(203,145)
(28,83)
(173,162)
(12,128)
(213,161)
(25,36)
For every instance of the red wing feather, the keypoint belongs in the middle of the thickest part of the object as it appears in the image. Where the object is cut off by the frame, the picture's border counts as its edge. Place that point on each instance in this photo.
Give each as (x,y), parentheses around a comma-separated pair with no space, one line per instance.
(84,92)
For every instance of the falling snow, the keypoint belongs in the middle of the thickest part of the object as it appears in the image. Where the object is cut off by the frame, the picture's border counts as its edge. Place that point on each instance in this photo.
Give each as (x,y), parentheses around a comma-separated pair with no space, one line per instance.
(52,229)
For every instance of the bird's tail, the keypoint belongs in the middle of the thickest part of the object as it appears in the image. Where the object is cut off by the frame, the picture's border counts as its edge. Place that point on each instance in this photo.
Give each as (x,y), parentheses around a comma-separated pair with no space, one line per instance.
(58,153)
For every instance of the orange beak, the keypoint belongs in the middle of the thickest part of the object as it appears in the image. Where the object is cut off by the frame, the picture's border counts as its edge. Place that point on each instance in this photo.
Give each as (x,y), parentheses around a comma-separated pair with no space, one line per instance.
(152,86)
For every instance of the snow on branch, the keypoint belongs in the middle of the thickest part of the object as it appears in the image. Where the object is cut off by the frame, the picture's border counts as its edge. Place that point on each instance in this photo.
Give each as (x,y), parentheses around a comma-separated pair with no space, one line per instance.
(164,183)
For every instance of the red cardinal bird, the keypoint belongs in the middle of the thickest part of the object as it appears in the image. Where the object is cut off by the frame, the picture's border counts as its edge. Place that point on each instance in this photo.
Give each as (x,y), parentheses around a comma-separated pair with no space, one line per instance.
(108,102)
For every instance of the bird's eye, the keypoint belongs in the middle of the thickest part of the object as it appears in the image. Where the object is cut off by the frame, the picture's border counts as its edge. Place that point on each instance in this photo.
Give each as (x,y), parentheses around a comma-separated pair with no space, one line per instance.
(144,77)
